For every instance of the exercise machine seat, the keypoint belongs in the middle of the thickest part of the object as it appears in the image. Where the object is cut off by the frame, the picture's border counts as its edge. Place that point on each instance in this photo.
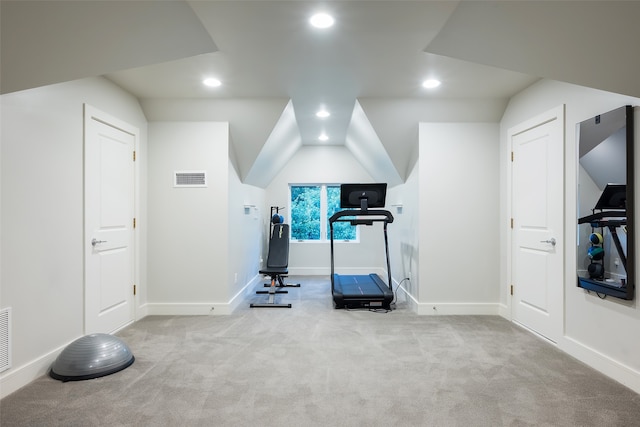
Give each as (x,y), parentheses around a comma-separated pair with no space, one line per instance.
(277,263)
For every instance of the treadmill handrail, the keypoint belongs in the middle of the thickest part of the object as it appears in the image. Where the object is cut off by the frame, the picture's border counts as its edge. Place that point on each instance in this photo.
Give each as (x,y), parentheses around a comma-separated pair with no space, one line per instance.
(388,217)
(601,215)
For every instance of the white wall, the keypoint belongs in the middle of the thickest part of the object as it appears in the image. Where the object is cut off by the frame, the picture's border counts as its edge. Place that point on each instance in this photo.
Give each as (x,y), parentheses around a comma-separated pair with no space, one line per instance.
(330,165)
(605,333)
(188,227)
(246,236)
(403,203)
(42,216)
(459,205)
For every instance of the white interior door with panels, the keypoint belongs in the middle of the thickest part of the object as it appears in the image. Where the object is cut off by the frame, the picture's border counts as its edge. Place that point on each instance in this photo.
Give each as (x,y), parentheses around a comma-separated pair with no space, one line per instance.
(537,200)
(109,147)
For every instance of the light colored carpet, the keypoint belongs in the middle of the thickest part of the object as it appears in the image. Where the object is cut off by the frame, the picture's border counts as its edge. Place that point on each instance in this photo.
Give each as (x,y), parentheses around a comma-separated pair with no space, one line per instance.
(312,365)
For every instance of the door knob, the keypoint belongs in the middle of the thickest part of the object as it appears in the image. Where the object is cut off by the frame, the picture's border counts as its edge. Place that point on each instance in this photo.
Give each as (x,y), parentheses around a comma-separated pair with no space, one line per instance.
(551,240)
(95,242)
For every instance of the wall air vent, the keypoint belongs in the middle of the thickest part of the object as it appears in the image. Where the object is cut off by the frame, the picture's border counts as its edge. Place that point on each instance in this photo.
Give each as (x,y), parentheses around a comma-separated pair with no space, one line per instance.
(5,339)
(190,179)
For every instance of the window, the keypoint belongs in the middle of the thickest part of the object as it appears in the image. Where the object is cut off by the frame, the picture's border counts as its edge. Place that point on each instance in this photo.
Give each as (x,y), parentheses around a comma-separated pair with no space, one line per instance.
(311,208)
(341,230)
(305,212)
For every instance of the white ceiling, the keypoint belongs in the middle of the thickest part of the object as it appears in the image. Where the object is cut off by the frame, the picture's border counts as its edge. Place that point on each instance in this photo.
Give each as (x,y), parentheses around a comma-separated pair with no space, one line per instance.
(366,70)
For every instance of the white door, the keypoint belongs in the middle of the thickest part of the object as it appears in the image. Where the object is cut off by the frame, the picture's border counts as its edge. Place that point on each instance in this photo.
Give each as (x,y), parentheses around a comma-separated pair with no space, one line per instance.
(538,217)
(109,215)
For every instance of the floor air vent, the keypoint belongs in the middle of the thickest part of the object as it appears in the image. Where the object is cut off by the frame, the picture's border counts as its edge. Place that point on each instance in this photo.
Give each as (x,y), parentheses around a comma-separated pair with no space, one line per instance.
(5,339)
(190,179)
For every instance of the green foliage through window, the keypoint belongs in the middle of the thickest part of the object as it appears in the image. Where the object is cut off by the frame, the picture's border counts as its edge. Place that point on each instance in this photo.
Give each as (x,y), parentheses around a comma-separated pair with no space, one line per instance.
(341,230)
(311,208)
(305,212)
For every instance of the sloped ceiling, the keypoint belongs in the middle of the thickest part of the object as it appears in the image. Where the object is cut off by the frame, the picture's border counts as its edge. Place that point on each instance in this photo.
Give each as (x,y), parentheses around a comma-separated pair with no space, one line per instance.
(251,122)
(589,43)
(364,144)
(395,121)
(277,71)
(46,42)
(282,144)
(268,50)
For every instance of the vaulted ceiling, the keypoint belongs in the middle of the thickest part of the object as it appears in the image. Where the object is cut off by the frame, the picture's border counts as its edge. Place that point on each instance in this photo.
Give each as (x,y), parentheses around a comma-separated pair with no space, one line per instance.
(277,71)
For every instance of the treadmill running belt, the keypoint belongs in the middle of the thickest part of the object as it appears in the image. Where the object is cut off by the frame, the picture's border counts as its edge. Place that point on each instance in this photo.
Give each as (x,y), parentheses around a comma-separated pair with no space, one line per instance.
(357,291)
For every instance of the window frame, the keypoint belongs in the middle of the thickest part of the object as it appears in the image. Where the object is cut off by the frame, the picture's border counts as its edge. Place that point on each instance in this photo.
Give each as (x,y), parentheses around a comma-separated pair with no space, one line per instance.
(324,219)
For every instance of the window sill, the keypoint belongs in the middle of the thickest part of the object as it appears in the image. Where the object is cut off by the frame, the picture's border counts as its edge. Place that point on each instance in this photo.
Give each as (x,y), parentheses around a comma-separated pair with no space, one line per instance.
(315,242)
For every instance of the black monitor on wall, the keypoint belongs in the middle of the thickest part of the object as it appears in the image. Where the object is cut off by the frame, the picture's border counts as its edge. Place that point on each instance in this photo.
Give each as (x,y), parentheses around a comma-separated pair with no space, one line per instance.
(363,196)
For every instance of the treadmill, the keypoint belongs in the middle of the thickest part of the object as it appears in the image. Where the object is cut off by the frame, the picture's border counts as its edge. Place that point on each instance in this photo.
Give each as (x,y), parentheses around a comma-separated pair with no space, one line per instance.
(362,291)
(609,213)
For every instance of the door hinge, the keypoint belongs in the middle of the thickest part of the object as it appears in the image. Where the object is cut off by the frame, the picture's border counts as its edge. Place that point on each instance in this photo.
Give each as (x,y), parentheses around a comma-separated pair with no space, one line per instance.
(511,222)
(511,289)
(512,156)
(134,156)
(134,290)
(134,223)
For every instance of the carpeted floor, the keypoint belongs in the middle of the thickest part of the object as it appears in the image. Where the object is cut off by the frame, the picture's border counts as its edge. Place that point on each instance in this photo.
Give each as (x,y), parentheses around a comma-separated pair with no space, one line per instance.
(311,365)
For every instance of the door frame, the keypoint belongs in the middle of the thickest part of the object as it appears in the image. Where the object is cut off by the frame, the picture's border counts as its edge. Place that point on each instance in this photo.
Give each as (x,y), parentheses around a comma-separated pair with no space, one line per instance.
(89,113)
(556,113)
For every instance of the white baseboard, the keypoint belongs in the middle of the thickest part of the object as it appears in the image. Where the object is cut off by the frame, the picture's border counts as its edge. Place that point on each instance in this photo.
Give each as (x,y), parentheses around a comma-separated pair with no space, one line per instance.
(187,309)
(458,309)
(615,370)
(504,311)
(200,308)
(142,311)
(413,303)
(247,289)
(16,378)
(437,308)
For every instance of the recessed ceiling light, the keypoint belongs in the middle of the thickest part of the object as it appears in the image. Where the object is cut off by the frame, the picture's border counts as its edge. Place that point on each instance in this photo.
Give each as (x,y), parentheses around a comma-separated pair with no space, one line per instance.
(211,82)
(431,83)
(322,114)
(322,20)
(323,137)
